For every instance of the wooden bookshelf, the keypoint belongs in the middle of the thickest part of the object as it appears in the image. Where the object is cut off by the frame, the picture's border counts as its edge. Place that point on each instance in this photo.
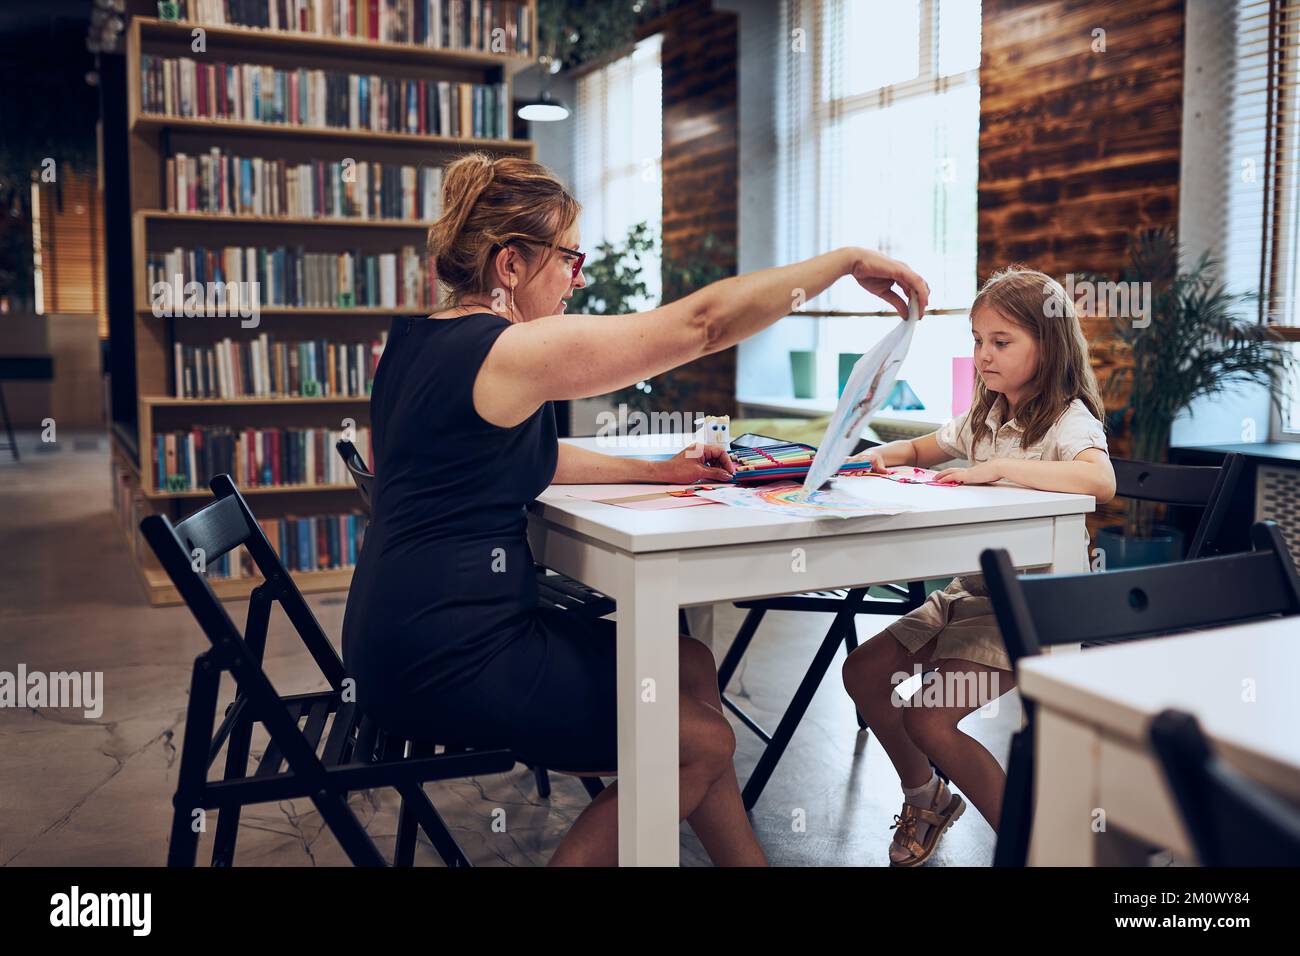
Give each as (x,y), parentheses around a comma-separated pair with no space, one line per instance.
(151,138)
(146,122)
(214,218)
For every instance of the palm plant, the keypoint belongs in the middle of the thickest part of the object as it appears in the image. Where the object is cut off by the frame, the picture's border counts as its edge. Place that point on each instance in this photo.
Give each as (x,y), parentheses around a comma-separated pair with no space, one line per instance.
(1194,342)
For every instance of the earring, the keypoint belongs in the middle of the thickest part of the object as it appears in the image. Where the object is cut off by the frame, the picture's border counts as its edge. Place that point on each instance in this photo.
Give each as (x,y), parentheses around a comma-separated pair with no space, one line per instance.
(512,303)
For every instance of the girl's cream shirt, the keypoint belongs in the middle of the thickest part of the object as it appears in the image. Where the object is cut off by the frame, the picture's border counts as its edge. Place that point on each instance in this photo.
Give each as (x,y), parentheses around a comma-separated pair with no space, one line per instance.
(1075,430)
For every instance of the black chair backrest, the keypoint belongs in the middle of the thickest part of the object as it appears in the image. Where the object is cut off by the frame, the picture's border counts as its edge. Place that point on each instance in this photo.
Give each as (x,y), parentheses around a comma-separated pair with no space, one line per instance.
(356,466)
(1231,820)
(1203,486)
(1034,611)
(186,549)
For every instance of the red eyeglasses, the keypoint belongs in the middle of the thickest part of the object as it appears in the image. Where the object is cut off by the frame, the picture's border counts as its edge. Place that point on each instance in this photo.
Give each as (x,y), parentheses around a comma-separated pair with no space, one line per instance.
(578,257)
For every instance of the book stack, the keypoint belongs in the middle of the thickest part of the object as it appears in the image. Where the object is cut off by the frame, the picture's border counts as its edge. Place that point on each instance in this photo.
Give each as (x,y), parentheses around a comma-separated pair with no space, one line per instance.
(496,26)
(253,457)
(322,99)
(315,543)
(288,277)
(266,368)
(223,183)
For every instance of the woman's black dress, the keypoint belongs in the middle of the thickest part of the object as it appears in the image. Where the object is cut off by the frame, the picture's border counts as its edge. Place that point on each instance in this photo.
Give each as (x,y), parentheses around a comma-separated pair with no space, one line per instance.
(442,631)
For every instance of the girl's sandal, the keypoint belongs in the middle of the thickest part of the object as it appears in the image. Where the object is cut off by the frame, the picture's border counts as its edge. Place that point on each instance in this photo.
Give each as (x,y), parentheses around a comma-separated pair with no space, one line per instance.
(905,824)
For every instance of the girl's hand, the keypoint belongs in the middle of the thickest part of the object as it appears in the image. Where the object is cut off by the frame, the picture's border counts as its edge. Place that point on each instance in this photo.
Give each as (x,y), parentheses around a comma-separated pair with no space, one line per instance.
(984,473)
(698,462)
(878,273)
(872,458)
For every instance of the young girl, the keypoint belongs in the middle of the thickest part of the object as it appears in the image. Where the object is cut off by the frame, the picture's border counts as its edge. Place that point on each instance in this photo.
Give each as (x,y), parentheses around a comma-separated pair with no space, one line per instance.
(1035,421)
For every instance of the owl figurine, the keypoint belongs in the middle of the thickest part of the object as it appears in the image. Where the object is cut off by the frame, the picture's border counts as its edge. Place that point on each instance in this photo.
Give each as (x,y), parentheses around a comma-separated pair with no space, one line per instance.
(714,430)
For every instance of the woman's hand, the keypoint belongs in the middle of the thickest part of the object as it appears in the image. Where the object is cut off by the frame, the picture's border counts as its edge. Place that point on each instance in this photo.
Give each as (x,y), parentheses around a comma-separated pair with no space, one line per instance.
(984,473)
(878,274)
(698,462)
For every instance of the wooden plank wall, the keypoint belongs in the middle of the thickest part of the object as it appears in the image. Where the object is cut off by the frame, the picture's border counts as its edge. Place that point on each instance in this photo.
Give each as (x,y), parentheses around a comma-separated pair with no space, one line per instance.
(700,167)
(1078,149)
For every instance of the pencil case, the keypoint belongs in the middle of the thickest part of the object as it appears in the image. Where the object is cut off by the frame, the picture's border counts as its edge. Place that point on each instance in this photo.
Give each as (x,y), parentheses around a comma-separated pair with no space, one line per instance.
(779,462)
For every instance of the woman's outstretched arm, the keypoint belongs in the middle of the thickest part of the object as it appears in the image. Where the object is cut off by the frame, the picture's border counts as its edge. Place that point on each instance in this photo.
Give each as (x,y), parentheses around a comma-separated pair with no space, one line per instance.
(577,356)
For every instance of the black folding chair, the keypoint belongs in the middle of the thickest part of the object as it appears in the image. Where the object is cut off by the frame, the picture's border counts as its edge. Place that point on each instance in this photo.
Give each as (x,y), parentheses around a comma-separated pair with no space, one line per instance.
(1207,487)
(553,590)
(1232,821)
(1037,611)
(326,745)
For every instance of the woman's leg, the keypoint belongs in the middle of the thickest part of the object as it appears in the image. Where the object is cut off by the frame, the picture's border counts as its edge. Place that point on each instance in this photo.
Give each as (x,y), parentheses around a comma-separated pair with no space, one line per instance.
(706,746)
(719,820)
(933,729)
(870,678)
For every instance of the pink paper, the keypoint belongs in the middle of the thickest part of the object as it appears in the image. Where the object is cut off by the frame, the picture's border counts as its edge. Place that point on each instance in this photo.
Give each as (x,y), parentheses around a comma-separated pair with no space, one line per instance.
(911,475)
(662,504)
(613,495)
(602,492)
(963,384)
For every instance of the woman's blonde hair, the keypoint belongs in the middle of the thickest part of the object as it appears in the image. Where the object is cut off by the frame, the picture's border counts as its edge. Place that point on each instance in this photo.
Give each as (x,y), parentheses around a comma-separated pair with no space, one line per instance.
(487,202)
(1037,303)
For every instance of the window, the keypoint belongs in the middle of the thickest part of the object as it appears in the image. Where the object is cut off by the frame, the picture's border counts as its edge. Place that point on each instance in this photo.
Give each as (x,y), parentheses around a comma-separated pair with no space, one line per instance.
(619,151)
(1261,251)
(878,140)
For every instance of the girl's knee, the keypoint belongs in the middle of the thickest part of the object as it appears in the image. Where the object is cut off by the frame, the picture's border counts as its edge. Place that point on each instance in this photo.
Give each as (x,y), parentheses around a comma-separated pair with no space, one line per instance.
(871,664)
(930,727)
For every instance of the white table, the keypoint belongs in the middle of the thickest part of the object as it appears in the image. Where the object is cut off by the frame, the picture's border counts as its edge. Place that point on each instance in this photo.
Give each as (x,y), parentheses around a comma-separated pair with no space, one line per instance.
(1093,751)
(653,562)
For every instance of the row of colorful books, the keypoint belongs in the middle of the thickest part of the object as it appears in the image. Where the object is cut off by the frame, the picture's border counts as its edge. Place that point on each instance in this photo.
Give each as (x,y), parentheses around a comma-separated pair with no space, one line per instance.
(495,26)
(322,99)
(254,457)
(314,543)
(287,277)
(223,183)
(266,368)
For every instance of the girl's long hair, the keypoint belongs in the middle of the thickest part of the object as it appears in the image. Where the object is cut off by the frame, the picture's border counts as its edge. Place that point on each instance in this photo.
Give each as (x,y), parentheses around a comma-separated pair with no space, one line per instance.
(1037,303)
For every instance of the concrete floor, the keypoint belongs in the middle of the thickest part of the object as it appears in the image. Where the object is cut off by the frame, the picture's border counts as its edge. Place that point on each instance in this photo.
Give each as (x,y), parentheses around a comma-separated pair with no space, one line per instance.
(77,791)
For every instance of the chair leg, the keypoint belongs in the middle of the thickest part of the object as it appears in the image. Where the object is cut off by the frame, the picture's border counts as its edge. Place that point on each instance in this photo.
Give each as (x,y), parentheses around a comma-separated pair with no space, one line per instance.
(593,785)
(1016,820)
(347,829)
(9,428)
(790,719)
(738,647)
(417,801)
(543,782)
(205,680)
(241,735)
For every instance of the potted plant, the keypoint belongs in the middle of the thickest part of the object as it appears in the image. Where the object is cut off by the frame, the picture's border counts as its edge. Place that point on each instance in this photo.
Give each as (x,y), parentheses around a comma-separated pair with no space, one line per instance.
(1192,340)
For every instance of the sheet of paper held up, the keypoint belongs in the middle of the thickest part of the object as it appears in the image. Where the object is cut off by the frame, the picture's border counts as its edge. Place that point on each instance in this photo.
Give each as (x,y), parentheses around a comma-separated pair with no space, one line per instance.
(868,386)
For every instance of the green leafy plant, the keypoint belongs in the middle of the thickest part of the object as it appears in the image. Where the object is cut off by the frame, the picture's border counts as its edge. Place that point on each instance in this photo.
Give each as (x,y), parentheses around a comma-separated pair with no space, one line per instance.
(1198,343)
(573,32)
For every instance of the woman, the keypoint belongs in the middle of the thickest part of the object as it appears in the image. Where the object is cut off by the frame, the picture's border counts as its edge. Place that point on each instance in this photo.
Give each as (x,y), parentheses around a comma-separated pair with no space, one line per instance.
(442,632)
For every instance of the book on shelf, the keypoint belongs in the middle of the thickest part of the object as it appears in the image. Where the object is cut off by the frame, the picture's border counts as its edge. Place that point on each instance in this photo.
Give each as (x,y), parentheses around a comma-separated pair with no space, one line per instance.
(253,457)
(314,543)
(491,26)
(322,99)
(266,368)
(220,182)
(286,278)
